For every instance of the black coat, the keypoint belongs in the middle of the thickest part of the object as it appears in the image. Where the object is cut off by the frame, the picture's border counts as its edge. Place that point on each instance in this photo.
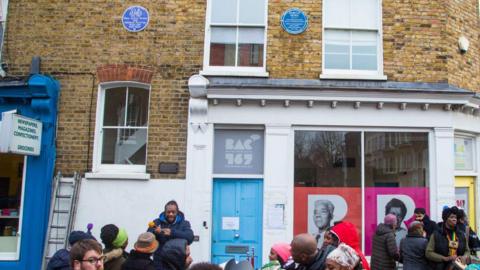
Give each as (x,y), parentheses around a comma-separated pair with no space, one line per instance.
(440,247)
(60,260)
(319,262)
(412,253)
(173,255)
(429,226)
(138,261)
(180,228)
(384,249)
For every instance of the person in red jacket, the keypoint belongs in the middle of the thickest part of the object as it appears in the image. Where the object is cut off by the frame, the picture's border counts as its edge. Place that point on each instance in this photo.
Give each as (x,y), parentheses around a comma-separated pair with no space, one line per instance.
(347,233)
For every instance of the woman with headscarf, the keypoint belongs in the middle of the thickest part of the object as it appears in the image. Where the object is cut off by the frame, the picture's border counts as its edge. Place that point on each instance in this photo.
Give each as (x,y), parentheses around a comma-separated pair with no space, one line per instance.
(347,233)
(342,258)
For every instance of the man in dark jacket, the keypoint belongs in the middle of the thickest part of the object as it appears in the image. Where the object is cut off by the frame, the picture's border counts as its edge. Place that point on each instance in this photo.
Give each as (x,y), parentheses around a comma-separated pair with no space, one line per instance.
(384,247)
(305,252)
(412,248)
(429,226)
(169,225)
(61,259)
(139,258)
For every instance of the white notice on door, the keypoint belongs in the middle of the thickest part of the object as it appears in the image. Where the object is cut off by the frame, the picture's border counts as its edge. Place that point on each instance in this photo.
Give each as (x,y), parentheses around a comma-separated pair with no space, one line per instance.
(230,223)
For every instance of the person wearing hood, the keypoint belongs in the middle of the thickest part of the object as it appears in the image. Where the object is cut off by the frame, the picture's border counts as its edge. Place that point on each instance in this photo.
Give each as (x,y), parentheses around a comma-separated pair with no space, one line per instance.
(115,240)
(412,248)
(448,242)
(384,247)
(175,255)
(347,233)
(139,258)
(171,224)
(61,259)
(429,226)
(306,254)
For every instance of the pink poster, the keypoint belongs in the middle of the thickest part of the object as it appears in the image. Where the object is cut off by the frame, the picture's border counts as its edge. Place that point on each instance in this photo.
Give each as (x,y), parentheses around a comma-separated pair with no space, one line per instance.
(398,201)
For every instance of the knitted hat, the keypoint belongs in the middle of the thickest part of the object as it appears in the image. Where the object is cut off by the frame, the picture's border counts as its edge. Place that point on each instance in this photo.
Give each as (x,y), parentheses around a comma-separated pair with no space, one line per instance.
(282,250)
(76,236)
(121,238)
(390,219)
(108,233)
(146,243)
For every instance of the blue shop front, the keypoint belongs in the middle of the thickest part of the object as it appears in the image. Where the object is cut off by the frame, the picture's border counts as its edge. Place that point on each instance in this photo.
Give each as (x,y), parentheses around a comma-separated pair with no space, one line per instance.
(28,111)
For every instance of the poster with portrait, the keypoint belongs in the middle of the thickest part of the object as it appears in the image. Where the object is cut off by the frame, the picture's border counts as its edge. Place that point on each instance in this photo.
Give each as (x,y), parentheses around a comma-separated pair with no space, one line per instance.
(398,201)
(316,209)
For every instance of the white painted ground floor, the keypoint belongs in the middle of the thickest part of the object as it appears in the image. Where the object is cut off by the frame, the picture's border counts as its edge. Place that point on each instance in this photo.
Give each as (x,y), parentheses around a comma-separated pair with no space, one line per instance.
(267,159)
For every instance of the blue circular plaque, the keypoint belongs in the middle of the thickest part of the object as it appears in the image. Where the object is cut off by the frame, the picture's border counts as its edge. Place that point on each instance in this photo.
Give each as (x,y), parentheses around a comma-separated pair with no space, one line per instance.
(135,18)
(294,21)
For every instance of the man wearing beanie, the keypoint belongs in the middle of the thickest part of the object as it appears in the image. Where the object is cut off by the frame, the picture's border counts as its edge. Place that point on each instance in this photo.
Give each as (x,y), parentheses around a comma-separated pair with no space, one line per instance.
(115,241)
(384,247)
(447,243)
(61,259)
(140,256)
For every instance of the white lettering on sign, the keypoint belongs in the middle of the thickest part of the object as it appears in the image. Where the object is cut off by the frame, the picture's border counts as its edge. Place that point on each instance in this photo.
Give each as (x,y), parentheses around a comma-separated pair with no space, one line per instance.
(240,152)
(23,134)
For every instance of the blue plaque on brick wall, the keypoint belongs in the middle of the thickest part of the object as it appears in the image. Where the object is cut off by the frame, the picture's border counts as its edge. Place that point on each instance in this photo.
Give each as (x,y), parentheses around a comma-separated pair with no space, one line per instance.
(294,21)
(135,18)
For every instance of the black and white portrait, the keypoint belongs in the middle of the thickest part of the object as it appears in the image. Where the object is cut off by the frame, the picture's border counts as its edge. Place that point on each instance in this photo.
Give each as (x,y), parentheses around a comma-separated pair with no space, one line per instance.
(323,211)
(401,206)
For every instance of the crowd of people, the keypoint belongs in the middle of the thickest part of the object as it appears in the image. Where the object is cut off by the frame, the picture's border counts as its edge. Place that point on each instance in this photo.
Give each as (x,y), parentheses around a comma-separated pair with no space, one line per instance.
(164,246)
(450,244)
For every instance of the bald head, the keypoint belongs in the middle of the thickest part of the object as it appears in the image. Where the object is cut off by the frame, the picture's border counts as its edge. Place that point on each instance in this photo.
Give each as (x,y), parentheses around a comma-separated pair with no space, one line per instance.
(304,248)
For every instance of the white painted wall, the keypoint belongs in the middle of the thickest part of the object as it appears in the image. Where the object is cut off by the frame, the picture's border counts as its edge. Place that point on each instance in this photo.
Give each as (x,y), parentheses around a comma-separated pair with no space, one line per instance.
(129,204)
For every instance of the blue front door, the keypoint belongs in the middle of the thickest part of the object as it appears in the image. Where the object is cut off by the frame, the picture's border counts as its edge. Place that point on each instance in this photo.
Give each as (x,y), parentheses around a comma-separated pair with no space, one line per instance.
(237,219)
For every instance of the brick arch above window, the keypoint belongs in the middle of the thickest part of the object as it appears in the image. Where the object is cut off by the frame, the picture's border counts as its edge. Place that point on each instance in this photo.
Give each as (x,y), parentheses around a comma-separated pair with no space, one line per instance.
(110,73)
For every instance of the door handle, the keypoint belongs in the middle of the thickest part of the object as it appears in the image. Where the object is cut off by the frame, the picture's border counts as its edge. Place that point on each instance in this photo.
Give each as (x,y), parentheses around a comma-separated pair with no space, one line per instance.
(237,235)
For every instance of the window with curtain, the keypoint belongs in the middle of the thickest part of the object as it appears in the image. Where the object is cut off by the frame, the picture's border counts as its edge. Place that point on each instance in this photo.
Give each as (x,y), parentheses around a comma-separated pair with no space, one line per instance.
(237,33)
(352,40)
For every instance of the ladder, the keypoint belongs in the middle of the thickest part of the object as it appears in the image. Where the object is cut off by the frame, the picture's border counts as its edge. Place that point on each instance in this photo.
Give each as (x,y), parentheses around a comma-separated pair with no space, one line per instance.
(63,206)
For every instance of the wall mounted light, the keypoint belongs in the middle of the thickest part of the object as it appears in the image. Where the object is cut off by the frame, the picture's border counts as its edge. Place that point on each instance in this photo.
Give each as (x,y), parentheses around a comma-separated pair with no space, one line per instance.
(463,44)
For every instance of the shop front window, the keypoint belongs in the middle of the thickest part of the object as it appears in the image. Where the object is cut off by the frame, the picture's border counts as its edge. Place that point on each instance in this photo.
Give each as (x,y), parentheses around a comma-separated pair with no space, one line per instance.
(11,184)
(329,173)
(327,180)
(396,177)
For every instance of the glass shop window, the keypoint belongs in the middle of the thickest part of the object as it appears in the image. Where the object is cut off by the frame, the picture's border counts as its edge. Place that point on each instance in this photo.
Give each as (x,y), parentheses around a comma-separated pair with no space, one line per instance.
(11,187)
(329,186)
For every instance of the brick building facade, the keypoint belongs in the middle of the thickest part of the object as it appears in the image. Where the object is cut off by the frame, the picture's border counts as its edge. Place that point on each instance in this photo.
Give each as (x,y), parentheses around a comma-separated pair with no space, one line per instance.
(422,83)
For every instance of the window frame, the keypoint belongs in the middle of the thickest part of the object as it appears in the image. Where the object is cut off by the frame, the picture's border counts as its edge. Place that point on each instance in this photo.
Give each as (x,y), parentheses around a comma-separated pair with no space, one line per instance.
(355,73)
(233,70)
(97,165)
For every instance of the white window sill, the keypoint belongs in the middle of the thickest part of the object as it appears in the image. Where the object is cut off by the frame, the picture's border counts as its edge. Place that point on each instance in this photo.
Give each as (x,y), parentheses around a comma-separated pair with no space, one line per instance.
(117,176)
(353,77)
(239,73)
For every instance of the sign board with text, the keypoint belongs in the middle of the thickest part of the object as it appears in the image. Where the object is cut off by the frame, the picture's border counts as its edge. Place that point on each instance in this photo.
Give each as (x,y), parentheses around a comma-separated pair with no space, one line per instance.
(238,152)
(20,135)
